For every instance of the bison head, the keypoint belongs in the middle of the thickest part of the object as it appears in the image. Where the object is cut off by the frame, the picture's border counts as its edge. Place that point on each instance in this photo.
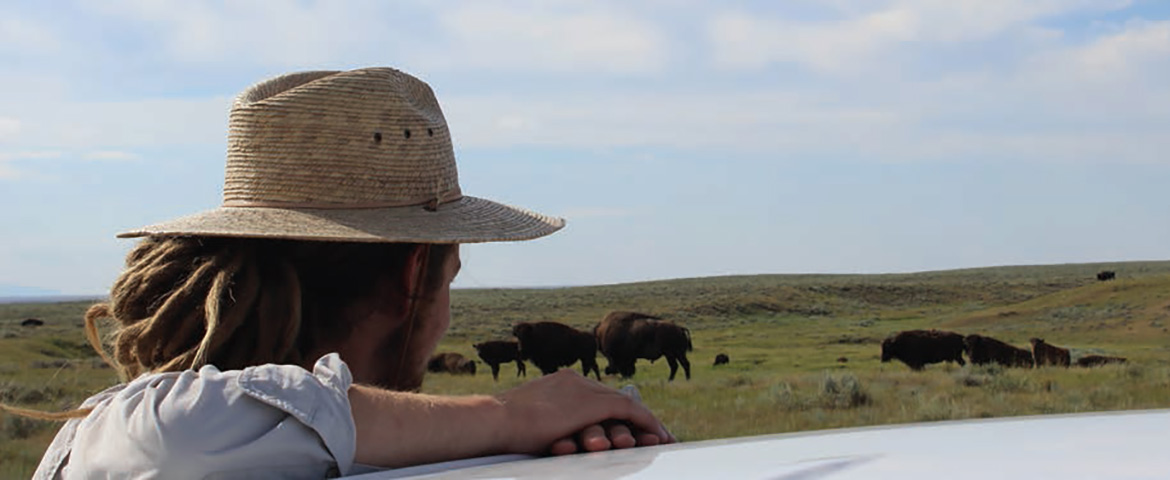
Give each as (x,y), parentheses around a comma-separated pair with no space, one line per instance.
(626,370)
(887,350)
(521,330)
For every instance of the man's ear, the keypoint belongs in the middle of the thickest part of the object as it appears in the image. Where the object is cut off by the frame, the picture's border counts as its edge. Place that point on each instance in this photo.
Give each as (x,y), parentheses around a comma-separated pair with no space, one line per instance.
(412,271)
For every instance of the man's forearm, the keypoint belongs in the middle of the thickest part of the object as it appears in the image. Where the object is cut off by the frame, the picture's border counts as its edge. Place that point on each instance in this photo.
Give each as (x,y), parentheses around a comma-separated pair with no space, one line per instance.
(397,429)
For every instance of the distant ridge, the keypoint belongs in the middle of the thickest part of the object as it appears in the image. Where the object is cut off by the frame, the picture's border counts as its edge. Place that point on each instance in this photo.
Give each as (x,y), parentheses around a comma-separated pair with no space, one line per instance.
(1086,270)
(49,298)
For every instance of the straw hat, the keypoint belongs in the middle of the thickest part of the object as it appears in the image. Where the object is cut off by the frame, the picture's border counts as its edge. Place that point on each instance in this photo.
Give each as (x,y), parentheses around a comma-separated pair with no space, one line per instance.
(363,155)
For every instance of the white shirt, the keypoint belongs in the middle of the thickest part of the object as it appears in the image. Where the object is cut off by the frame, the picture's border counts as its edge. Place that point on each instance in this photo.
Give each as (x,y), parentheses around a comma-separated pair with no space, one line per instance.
(269,421)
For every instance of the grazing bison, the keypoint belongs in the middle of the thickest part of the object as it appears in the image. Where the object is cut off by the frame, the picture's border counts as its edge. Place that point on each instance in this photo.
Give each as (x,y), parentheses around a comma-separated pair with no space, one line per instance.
(1106,275)
(1046,354)
(451,362)
(496,352)
(552,345)
(32,322)
(918,348)
(624,337)
(722,359)
(983,350)
(1098,360)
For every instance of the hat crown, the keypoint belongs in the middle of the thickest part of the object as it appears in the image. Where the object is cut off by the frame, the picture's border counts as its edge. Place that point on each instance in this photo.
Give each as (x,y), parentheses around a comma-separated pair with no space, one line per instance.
(365,138)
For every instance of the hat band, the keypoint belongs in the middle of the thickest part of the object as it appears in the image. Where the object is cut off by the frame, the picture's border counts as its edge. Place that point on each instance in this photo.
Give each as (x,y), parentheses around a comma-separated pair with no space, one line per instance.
(430,202)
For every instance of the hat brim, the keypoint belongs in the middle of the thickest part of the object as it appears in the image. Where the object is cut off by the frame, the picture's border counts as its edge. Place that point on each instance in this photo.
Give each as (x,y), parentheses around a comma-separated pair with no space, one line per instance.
(467,220)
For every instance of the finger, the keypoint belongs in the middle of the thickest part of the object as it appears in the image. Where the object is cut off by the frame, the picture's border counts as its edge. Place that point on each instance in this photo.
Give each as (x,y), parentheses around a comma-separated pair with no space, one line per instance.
(620,436)
(640,417)
(564,446)
(648,439)
(593,439)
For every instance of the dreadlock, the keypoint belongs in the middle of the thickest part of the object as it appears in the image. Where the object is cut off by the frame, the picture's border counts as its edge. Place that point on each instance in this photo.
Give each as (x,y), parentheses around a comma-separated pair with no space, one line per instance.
(185,302)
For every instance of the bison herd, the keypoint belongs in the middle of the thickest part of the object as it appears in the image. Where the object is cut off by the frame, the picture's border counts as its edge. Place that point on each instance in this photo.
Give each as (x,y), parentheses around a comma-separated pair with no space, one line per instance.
(918,348)
(621,337)
(625,337)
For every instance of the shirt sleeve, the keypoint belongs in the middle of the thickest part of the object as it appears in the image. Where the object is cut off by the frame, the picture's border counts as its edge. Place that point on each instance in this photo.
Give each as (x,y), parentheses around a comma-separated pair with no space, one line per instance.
(269,421)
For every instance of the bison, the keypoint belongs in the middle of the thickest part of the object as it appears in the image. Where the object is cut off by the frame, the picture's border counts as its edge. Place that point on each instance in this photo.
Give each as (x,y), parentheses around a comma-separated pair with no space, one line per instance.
(1106,275)
(1046,354)
(451,362)
(32,322)
(496,352)
(552,345)
(918,348)
(624,337)
(983,350)
(721,359)
(1098,360)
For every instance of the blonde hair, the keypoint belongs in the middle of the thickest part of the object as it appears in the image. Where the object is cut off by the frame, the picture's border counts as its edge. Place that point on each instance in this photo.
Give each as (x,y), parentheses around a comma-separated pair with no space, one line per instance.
(185,302)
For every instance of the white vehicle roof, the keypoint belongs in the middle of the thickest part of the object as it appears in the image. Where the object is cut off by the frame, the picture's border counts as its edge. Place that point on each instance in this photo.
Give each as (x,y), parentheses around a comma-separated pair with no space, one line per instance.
(1113,445)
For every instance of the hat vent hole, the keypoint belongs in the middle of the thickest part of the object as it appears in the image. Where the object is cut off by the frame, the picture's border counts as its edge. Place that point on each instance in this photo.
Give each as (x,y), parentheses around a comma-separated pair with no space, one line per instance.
(430,132)
(377,137)
(406,133)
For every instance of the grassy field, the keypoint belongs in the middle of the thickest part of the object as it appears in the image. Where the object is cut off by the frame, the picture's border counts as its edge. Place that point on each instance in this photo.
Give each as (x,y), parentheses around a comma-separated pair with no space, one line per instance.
(785,335)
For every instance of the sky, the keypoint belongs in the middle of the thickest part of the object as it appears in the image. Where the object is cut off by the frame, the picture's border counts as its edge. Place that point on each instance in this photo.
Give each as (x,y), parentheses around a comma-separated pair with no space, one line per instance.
(678,138)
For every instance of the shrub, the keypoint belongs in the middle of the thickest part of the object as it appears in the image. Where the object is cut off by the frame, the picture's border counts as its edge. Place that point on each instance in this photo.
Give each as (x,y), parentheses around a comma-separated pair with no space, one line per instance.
(843,392)
(835,393)
(15,427)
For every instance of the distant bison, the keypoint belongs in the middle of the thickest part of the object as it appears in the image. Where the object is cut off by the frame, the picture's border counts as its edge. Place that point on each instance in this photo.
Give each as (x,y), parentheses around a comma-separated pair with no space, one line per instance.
(1046,354)
(1106,275)
(1098,360)
(32,322)
(450,362)
(842,359)
(722,359)
(496,352)
(983,350)
(552,345)
(624,337)
(918,348)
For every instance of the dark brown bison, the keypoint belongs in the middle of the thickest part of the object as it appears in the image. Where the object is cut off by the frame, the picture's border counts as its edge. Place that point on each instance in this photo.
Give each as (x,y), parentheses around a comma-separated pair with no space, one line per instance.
(722,359)
(1106,275)
(1098,360)
(32,322)
(451,362)
(552,345)
(1046,354)
(918,348)
(496,352)
(983,350)
(624,337)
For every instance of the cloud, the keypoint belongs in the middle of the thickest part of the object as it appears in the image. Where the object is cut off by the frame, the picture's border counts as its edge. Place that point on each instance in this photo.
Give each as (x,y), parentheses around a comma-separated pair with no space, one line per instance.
(8,172)
(22,36)
(587,38)
(29,155)
(744,41)
(532,36)
(866,38)
(741,121)
(115,125)
(112,155)
(9,127)
(278,33)
(1141,44)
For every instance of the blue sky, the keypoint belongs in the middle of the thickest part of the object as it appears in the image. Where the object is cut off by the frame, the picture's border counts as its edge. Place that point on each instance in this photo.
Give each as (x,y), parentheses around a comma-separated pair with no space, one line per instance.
(679,138)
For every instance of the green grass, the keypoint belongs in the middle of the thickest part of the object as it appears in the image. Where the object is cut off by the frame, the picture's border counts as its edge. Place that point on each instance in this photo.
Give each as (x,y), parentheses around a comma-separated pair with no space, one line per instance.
(784,334)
